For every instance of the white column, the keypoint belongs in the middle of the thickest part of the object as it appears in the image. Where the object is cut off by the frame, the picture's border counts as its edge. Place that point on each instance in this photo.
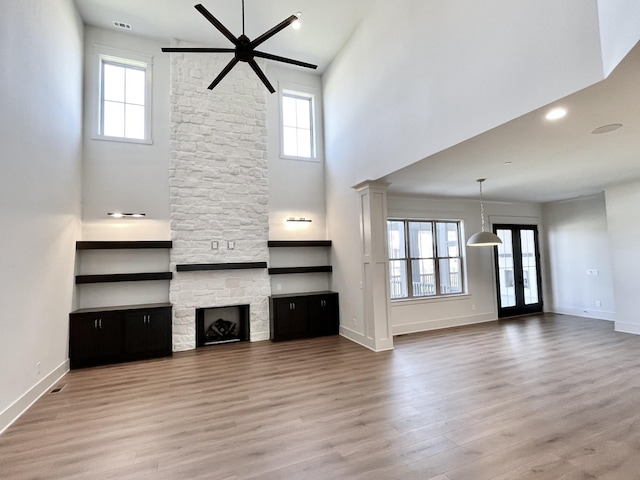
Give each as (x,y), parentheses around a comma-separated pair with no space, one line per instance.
(375,264)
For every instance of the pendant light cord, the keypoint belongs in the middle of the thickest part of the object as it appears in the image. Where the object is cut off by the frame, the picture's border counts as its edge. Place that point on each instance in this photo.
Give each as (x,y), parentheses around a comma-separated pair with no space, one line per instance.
(242,17)
(481,204)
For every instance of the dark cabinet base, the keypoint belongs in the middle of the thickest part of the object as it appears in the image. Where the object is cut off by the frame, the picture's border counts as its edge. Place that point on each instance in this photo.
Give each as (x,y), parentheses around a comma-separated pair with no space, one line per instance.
(119,334)
(303,315)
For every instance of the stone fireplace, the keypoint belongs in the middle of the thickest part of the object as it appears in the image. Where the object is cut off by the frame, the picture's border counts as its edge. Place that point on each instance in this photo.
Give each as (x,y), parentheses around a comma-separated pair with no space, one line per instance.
(218,182)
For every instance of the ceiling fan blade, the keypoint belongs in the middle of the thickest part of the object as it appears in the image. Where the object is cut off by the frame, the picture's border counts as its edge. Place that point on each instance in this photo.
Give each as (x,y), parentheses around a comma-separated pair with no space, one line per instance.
(261,75)
(197,50)
(223,73)
(267,35)
(216,23)
(277,58)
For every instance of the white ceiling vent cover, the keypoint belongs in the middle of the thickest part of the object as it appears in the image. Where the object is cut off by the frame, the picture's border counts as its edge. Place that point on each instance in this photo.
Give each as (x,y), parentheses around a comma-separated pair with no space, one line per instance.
(123,25)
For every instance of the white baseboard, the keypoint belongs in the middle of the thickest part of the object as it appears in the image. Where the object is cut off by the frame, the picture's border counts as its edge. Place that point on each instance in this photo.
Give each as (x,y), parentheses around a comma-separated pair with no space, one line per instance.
(583,312)
(22,404)
(426,326)
(360,339)
(625,327)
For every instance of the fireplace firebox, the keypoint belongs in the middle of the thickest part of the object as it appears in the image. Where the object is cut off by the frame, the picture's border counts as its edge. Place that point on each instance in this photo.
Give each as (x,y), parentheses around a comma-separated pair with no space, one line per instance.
(216,325)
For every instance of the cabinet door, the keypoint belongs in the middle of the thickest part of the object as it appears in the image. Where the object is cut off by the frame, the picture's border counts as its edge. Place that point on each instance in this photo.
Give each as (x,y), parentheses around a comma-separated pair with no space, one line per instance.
(147,331)
(290,318)
(323,314)
(95,336)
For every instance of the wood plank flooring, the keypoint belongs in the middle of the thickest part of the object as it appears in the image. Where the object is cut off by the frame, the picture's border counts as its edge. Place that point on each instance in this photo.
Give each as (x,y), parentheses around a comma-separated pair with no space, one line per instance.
(542,397)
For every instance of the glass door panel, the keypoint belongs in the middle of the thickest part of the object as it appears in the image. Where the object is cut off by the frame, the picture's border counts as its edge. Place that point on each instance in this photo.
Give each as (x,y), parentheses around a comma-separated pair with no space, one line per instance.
(517,273)
(505,269)
(529,266)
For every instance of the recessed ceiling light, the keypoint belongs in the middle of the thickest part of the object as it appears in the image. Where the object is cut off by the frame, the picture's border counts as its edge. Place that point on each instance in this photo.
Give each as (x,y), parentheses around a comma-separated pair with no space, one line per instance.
(607,128)
(508,163)
(556,113)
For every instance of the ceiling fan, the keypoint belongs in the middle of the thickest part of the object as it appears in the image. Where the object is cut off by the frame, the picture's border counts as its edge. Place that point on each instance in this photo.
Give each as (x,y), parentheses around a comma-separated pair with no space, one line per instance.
(245,49)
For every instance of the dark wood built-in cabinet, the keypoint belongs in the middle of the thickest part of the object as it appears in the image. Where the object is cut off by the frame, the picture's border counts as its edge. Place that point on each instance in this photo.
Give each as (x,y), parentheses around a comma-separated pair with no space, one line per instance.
(301,315)
(99,336)
(103,335)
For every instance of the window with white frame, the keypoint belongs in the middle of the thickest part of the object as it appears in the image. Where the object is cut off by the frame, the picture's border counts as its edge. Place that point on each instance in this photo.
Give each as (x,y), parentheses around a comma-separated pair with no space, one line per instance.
(298,125)
(425,258)
(124,108)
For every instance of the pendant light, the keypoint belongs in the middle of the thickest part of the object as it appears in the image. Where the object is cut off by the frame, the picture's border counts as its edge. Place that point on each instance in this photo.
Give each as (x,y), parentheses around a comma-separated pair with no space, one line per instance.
(482,238)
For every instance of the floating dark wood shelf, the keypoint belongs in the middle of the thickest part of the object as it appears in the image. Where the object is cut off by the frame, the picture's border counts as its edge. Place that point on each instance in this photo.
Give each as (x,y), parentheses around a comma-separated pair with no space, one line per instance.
(113,245)
(299,243)
(199,267)
(123,277)
(285,270)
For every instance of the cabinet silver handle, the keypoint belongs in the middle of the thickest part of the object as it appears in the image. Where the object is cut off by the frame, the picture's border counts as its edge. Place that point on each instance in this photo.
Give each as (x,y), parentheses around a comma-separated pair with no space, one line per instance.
(95,324)
(100,323)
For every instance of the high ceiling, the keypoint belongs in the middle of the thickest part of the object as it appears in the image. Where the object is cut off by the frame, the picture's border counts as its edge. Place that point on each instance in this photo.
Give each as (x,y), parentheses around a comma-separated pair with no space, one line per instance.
(326,24)
(549,161)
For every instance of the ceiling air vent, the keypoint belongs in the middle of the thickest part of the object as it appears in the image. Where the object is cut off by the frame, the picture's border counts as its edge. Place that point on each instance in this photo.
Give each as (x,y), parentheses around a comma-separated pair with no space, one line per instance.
(124,26)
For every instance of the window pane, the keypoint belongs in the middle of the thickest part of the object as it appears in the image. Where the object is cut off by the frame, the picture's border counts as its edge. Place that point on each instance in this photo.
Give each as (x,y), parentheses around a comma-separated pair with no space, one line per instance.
(134,122)
(290,141)
(423,278)
(135,86)
(304,143)
(303,113)
(396,245)
(398,279)
(113,119)
(450,276)
(289,112)
(113,82)
(420,240)
(447,234)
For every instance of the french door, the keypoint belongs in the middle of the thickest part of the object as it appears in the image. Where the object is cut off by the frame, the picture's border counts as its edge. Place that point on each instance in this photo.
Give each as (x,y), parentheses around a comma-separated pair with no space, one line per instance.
(517,263)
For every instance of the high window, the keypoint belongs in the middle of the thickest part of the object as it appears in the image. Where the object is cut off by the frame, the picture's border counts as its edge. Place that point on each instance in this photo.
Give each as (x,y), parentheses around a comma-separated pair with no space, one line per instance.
(124,100)
(298,125)
(425,258)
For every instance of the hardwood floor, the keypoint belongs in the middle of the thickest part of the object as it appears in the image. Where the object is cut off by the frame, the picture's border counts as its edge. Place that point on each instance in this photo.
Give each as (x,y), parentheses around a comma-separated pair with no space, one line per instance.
(542,397)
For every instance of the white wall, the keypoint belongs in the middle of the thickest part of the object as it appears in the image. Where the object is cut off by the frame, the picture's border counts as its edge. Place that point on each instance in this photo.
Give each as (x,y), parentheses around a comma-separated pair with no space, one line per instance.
(577,240)
(120,176)
(125,177)
(453,70)
(623,222)
(480,303)
(296,189)
(40,170)
(619,30)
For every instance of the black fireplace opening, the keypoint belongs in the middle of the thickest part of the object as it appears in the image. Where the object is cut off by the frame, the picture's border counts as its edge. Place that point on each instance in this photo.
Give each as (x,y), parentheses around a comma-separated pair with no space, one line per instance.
(217,325)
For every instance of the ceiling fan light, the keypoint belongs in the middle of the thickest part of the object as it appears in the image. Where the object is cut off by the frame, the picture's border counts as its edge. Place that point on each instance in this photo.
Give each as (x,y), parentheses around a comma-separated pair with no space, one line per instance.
(296,24)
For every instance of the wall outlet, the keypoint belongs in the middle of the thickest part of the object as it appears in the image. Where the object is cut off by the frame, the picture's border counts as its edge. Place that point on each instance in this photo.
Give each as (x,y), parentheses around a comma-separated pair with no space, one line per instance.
(214,245)
(598,303)
(38,368)
(473,307)
(231,245)
(355,322)
(592,273)
(278,286)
